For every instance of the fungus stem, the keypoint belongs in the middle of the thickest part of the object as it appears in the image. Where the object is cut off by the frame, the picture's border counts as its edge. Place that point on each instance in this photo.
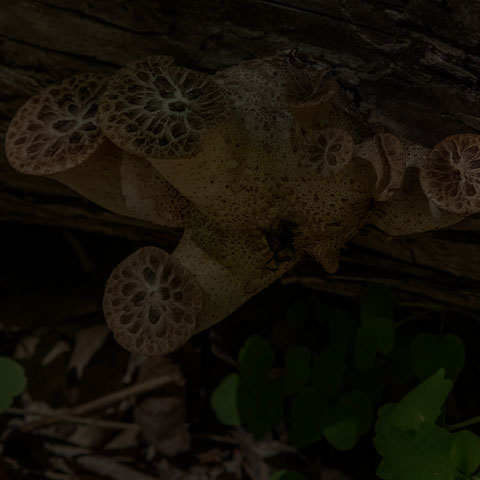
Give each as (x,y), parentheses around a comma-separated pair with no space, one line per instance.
(224,288)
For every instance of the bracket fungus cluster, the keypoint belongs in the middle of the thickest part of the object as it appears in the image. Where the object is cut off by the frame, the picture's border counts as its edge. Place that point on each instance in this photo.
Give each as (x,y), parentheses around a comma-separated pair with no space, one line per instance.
(260,163)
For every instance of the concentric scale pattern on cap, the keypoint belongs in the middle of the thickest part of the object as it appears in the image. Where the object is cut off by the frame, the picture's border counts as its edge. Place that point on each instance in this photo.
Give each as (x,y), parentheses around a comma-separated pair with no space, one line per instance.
(327,151)
(450,175)
(151,302)
(155,109)
(308,85)
(57,129)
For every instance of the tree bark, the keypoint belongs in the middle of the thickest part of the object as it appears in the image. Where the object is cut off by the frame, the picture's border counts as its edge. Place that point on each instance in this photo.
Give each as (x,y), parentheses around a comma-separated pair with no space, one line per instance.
(412,66)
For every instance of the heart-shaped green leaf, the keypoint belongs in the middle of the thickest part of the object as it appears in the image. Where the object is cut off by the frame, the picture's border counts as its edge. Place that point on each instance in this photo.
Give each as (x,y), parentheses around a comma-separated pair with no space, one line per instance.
(328,368)
(377,315)
(12,381)
(255,360)
(261,407)
(364,349)
(297,369)
(421,405)
(224,401)
(465,451)
(309,414)
(415,454)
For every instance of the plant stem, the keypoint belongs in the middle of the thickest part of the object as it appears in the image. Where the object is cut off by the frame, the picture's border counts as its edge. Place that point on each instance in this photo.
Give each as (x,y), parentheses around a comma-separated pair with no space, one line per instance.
(466,423)
(425,306)
(416,315)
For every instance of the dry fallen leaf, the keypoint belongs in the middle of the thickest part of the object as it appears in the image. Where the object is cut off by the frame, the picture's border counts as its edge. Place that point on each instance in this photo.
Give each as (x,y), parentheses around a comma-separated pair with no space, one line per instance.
(163,424)
(255,451)
(214,455)
(110,468)
(158,367)
(26,347)
(124,440)
(234,466)
(87,342)
(60,347)
(167,471)
(333,474)
(135,361)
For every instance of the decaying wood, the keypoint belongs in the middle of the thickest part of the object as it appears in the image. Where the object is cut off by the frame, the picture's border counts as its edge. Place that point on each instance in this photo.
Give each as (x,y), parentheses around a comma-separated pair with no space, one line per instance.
(411,66)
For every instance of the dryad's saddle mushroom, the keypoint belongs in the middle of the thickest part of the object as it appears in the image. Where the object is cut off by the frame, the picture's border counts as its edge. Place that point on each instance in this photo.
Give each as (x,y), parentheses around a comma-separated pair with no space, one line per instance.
(261,163)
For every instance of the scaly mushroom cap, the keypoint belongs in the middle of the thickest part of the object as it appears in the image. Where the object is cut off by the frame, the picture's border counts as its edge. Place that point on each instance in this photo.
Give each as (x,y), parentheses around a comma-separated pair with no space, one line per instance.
(288,77)
(450,175)
(309,92)
(387,155)
(255,83)
(326,152)
(155,109)
(254,90)
(57,129)
(308,85)
(151,302)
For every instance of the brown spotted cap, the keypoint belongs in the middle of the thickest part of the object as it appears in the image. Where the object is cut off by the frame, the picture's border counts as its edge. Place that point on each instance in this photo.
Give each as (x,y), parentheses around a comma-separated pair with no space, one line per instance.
(151,302)
(326,152)
(158,110)
(57,129)
(450,175)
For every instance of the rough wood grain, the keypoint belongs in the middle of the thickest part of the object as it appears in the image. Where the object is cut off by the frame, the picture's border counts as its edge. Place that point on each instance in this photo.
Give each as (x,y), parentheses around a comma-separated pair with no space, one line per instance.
(411,65)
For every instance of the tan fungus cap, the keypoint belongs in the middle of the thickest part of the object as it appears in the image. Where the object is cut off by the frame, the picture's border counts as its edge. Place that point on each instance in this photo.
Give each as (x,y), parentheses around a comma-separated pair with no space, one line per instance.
(450,175)
(151,302)
(158,110)
(57,129)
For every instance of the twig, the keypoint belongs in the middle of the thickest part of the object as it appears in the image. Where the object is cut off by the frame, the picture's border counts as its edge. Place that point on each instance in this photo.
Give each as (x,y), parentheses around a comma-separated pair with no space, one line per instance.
(51,475)
(217,438)
(13,464)
(219,353)
(108,467)
(416,315)
(248,469)
(98,422)
(423,305)
(99,403)
(466,423)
